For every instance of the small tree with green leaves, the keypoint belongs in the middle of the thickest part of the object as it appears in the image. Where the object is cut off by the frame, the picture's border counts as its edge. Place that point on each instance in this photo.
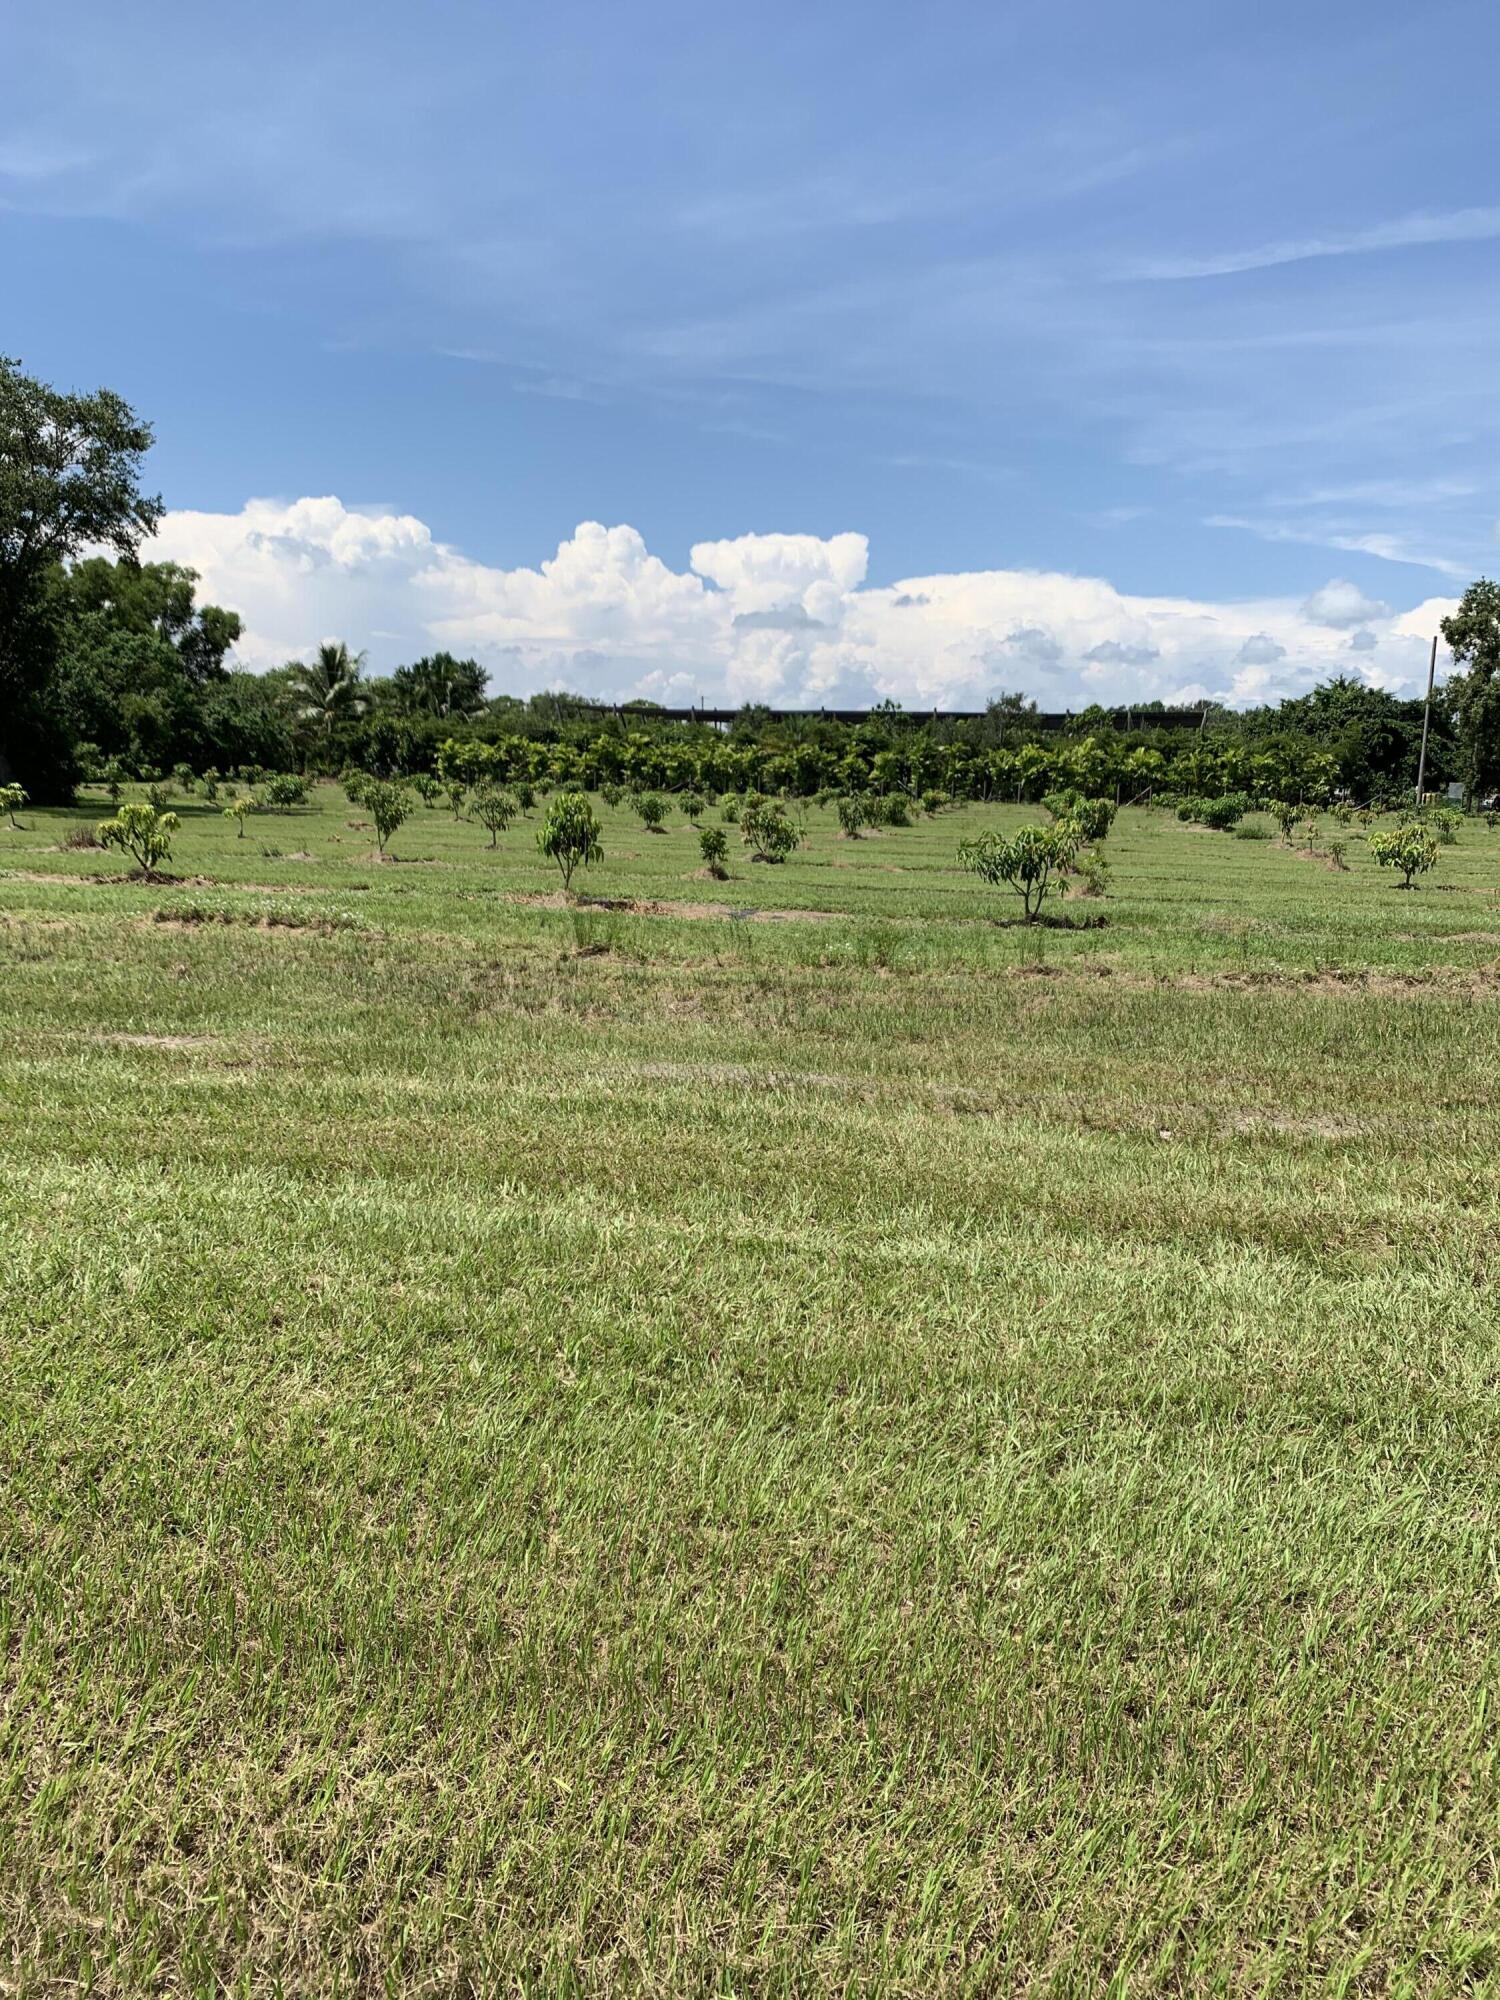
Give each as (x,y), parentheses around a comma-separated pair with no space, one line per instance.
(458,796)
(525,797)
(768,832)
(1409,847)
(389,806)
(933,803)
(427,787)
(713,845)
(1024,861)
(1444,823)
(284,791)
(12,798)
(853,812)
(141,831)
(211,786)
(239,810)
(570,835)
(494,809)
(113,776)
(1286,816)
(693,807)
(651,810)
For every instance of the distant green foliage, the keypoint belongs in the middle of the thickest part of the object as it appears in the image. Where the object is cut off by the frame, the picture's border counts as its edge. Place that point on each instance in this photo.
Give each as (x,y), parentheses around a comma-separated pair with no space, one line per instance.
(426,787)
(141,831)
(650,809)
(611,794)
(1025,861)
(1411,847)
(693,807)
(570,835)
(933,803)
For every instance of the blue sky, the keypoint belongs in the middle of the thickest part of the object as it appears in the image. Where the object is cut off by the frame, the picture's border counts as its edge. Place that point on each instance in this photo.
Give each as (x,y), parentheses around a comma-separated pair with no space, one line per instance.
(1199,303)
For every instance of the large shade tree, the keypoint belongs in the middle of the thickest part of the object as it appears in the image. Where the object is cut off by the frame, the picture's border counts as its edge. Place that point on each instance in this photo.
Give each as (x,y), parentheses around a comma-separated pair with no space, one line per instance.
(1473,696)
(70,480)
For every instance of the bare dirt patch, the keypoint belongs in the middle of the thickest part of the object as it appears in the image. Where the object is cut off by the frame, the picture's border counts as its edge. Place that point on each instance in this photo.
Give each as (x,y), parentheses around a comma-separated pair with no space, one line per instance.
(635,906)
(157,1041)
(1338,1130)
(738,1076)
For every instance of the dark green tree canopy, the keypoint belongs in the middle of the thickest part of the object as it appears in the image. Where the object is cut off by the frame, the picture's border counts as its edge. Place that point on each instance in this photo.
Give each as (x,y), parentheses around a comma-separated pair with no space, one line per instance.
(70,471)
(439,685)
(1473,696)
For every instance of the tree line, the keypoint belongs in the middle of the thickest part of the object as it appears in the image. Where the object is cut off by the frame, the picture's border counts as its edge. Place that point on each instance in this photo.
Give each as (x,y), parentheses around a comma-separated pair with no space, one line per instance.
(109,662)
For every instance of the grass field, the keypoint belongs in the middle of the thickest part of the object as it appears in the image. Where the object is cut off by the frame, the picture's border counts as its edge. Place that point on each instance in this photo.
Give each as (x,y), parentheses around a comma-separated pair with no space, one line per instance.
(868,1451)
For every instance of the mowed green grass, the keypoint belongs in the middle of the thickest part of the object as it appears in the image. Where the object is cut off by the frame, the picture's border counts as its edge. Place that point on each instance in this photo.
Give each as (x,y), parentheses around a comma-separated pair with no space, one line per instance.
(611,1452)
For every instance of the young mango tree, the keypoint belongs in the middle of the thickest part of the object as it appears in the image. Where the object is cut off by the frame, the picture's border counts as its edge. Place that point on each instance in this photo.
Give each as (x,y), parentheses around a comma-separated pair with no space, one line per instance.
(142,832)
(239,810)
(651,809)
(389,806)
(494,810)
(569,835)
(768,831)
(1286,816)
(1024,861)
(1092,818)
(853,812)
(713,845)
(284,791)
(12,798)
(1409,847)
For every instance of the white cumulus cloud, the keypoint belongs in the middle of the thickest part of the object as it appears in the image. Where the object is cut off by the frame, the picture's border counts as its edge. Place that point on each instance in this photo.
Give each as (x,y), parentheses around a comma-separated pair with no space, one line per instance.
(1342,605)
(787,618)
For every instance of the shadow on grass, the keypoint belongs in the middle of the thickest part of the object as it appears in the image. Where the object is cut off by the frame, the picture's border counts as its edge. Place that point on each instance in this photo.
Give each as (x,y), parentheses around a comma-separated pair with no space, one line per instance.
(1095,920)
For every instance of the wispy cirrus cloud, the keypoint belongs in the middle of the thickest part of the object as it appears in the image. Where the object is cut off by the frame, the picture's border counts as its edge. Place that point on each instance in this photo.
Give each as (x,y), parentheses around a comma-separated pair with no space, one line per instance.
(1384,547)
(1460,225)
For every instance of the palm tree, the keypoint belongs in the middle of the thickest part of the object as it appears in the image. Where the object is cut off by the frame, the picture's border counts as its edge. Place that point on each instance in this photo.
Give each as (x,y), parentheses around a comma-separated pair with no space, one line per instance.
(328,691)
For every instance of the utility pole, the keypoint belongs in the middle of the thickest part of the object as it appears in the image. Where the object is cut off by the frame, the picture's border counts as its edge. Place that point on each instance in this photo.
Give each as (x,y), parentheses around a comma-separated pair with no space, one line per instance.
(1426,722)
